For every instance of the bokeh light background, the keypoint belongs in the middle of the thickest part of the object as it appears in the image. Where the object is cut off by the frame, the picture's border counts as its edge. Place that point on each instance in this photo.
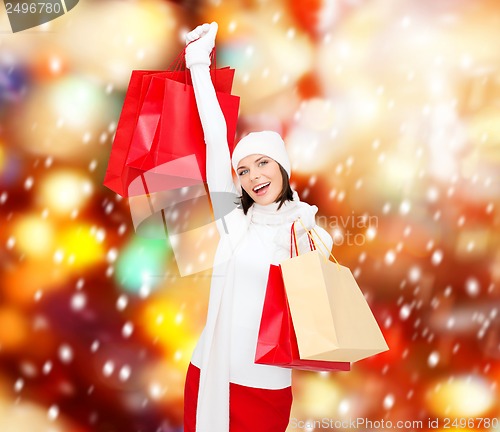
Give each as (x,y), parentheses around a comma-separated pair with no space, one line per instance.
(391,114)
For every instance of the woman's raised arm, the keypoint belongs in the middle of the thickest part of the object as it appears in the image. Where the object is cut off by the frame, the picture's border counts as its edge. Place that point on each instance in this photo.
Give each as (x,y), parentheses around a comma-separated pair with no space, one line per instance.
(201,41)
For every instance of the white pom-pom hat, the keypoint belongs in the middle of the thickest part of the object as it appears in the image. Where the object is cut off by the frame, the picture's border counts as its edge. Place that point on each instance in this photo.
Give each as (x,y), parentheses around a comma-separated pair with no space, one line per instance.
(268,143)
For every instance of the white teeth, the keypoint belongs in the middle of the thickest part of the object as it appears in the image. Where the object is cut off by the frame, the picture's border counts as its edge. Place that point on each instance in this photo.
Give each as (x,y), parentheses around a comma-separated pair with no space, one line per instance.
(261,186)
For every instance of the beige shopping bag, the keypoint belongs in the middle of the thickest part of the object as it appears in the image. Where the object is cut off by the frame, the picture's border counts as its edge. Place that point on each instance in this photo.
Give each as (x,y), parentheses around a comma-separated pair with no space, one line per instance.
(331,317)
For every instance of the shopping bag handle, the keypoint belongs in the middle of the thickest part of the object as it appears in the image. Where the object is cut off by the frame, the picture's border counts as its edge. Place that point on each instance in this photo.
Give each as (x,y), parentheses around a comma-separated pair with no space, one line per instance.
(179,63)
(293,241)
(311,239)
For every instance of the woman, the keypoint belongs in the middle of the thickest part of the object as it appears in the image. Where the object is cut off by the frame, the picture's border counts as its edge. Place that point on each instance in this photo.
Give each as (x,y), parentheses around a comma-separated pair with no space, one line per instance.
(225,390)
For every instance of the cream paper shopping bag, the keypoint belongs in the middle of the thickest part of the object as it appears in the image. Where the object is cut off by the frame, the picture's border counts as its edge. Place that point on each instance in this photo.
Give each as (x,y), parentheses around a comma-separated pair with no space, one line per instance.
(331,317)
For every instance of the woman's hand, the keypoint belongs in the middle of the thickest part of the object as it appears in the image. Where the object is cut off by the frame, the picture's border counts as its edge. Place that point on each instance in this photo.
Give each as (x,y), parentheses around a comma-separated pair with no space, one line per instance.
(307,219)
(200,43)
(282,237)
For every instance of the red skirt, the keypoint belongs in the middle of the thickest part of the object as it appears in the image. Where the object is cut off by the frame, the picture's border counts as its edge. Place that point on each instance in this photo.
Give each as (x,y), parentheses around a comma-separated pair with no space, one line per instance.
(250,409)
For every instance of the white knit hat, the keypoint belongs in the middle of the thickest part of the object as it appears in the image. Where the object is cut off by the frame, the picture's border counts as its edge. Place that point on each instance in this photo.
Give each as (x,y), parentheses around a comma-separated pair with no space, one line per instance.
(268,143)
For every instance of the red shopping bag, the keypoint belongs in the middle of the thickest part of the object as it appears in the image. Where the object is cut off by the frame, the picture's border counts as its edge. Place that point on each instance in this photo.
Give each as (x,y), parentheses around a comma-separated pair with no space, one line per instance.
(277,342)
(132,143)
(145,151)
(119,176)
(181,133)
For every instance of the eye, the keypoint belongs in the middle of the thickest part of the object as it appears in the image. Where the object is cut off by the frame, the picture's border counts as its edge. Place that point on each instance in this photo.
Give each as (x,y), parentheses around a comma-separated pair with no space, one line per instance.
(263,162)
(242,172)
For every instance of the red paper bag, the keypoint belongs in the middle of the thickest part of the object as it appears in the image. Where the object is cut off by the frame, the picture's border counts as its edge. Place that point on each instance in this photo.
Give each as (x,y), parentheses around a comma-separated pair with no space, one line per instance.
(277,342)
(129,144)
(119,176)
(181,133)
(144,149)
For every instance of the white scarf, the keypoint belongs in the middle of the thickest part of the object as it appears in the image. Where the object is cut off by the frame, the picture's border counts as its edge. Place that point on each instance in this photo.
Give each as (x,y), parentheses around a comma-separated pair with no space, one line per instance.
(289,212)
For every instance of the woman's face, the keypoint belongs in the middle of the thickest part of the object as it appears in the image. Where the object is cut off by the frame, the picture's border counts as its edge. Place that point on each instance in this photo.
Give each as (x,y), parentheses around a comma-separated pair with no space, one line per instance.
(261,178)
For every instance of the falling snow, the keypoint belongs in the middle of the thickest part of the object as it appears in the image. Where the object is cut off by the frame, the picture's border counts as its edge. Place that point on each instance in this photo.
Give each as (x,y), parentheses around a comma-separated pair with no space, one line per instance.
(53,412)
(108,368)
(433,359)
(437,257)
(65,353)
(389,401)
(127,329)
(78,301)
(125,372)
(472,287)
(390,257)
(122,302)
(405,312)
(18,385)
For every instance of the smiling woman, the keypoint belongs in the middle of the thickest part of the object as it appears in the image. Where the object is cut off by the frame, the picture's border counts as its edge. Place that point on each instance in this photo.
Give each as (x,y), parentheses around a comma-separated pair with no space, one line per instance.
(264,182)
(262,176)
(255,235)
(263,168)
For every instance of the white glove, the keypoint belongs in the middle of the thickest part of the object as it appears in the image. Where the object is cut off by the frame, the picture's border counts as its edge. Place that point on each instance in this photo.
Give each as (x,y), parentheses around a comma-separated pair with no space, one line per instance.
(282,237)
(308,218)
(200,43)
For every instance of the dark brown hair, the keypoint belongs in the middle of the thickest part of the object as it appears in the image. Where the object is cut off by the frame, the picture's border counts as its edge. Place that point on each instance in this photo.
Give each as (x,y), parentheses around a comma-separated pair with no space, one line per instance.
(285,195)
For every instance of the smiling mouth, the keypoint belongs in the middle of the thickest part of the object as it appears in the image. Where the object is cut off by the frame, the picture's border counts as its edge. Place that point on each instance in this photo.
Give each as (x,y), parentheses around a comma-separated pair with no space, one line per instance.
(262,188)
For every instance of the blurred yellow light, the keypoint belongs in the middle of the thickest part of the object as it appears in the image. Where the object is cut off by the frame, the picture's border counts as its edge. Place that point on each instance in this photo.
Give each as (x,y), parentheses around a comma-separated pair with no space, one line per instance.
(34,236)
(35,277)
(265,69)
(147,41)
(367,107)
(2,156)
(473,243)
(314,133)
(484,132)
(165,322)
(398,171)
(470,396)
(13,329)
(319,396)
(65,191)
(165,383)
(79,246)
(26,416)
(64,118)
(75,102)
(461,429)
